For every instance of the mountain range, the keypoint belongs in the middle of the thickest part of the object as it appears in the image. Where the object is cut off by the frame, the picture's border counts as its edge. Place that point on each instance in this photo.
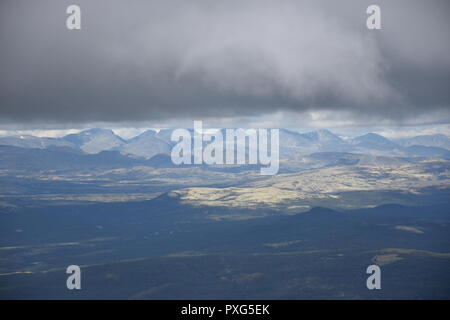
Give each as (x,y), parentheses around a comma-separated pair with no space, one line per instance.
(293,145)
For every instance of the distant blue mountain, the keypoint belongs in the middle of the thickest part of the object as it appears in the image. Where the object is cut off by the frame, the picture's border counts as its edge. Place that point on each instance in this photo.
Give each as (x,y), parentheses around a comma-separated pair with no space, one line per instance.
(26,141)
(62,159)
(375,142)
(323,136)
(434,140)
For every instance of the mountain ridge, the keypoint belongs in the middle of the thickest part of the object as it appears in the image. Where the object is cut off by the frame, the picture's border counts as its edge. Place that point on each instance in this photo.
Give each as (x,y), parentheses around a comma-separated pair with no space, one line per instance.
(293,144)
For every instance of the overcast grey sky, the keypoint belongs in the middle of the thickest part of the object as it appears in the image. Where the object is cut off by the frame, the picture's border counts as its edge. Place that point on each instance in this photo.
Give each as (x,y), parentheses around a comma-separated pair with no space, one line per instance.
(165,61)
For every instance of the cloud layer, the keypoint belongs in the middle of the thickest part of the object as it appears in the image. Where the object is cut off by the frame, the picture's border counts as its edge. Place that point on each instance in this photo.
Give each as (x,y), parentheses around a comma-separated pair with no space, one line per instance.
(159,60)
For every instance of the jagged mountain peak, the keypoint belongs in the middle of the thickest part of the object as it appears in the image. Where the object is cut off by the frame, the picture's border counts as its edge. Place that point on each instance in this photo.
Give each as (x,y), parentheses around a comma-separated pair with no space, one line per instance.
(144,135)
(95,140)
(146,145)
(322,135)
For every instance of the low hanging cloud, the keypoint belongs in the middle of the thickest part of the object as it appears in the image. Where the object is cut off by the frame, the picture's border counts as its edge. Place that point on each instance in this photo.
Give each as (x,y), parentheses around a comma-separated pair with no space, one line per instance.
(161,60)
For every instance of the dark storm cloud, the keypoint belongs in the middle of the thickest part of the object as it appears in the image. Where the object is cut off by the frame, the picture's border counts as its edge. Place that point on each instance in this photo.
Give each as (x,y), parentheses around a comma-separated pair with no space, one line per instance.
(147,60)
